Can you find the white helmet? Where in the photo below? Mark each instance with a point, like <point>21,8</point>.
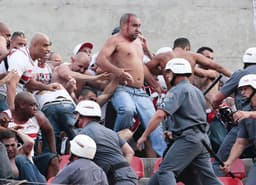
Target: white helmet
<point>248,80</point>
<point>179,66</point>
<point>88,108</point>
<point>250,56</point>
<point>83,146</point>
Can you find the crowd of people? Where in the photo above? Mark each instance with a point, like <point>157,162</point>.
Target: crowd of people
<point>96,106</point>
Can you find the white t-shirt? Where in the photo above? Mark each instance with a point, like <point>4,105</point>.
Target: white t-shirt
<point>19,60</point>
<point>31,127</point>
<point>49,96</point>
<point>40,74</point>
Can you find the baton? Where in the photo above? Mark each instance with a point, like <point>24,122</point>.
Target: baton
<point>212,84</point>
<point>216,157</point>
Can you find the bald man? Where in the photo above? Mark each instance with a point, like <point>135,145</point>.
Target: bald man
<point>27,119</point>
<point>22,60</point>
<point>73,76</point>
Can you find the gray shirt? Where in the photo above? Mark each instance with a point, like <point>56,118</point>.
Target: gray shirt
<point>108,145</point>
<point>81,171</point>
<point>247,130</point>
<point>109,151</point>
<point>186,105</point>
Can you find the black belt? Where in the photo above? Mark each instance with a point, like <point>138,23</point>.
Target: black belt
<point>58,102</point>
<point>118,166</point>
<point>200,127</point>
<point>112,169</point>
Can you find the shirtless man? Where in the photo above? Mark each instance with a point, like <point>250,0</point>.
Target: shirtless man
<point>205,76</point>
<point>72,76</point>
<point>122,55</point>
<point>20,155</point>
<point>181,49</point>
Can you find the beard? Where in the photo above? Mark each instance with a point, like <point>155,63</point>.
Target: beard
<point>133,37</point>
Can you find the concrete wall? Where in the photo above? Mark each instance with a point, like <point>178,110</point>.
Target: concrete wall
<point>224,25</point>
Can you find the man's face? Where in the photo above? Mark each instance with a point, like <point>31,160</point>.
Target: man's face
<point>30,106</point>
<point>80,65</point>
<point>208,54</point>
<point>246,91</point>
<point>43,48</point>
<point>89,96</point>
<point>168,74</point>
<point>133,27</point>
<point>6,33</point>
<point>11,145</point>
<point>18,42</point>
<point>87,50</point>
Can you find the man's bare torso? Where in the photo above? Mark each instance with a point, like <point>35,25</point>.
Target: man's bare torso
<point>129,55</point>
<point>177,54</point>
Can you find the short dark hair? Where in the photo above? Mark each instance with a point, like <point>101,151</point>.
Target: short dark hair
<point>125,17</point>
<point>181,42</point>
<point>202,49</point>
<point>17,34</point>
<point>86,90</point>
<point>7,134</point>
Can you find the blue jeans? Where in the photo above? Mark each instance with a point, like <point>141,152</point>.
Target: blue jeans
<point>3,103</point>
<point>61,118</point>
<point>28,171</point>
<point>5,165</point>
<point>129,102</point>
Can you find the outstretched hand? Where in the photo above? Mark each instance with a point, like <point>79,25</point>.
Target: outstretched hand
<point>102,76</point>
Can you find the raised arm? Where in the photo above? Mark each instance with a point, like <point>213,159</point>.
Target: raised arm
<point>202,60</point>
<point>65,73</point>
<point>205,72</point>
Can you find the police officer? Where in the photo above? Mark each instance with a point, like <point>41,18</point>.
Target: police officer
<point>230,87</point>
<point>247,127</point>
<point>185,104</point>
<point>81,169</point>
<point>113,154</point>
